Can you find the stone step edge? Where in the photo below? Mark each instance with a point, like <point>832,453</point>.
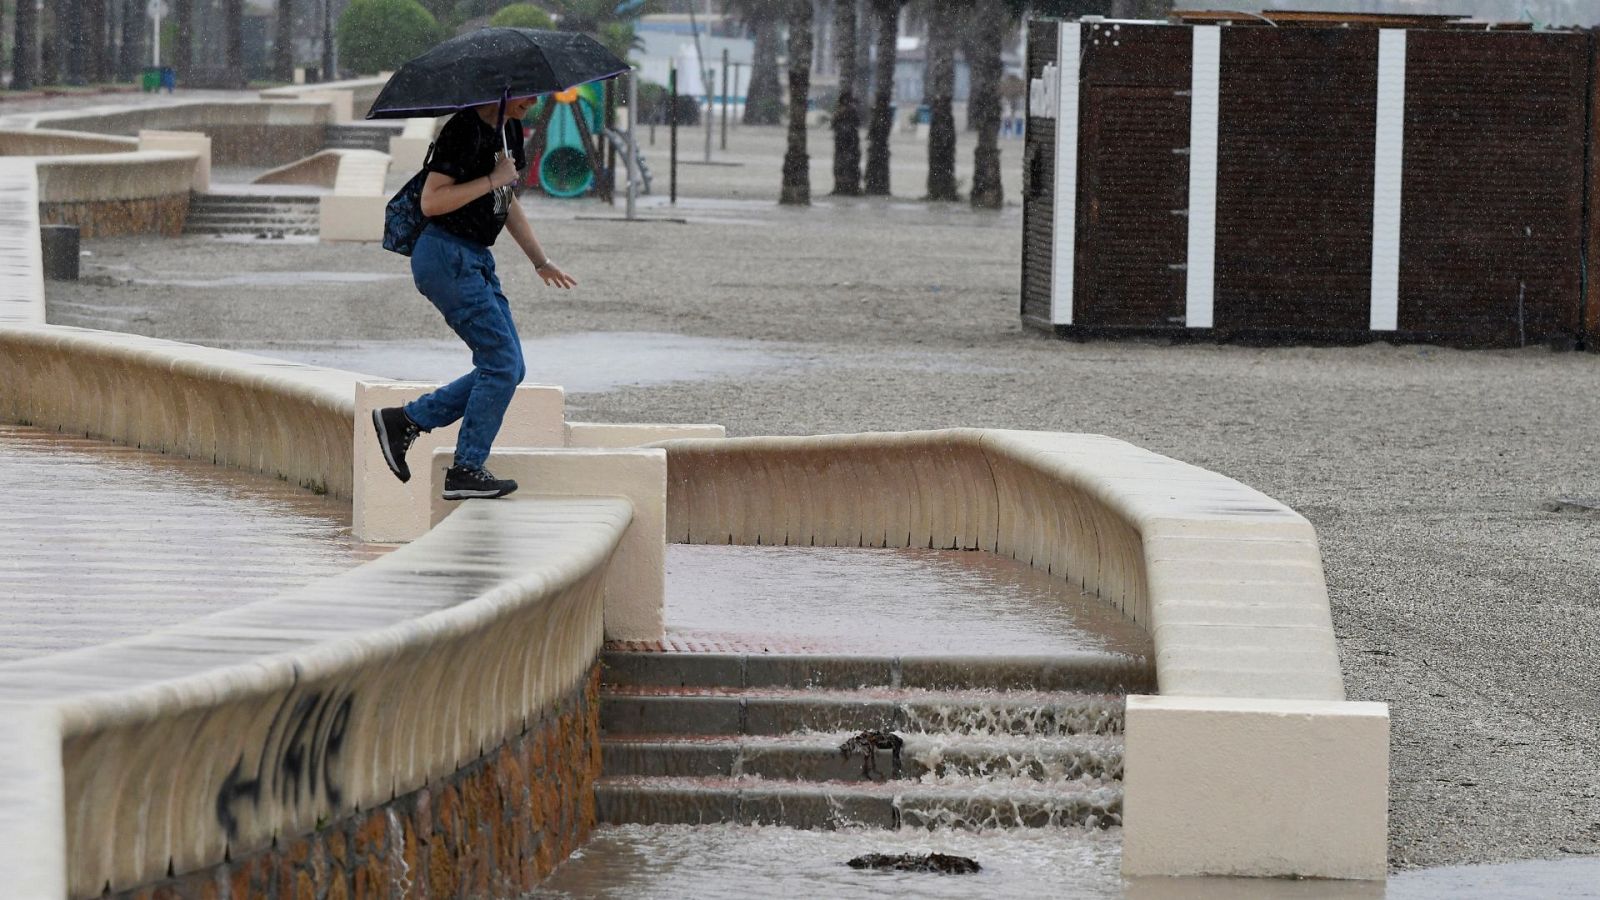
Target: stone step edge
<point>825,805</point>
<point>1087,672</point>
<point>809,758</point>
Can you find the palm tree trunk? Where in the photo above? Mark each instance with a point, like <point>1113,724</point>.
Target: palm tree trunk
<point>69,45</point>
<point>133,48</point>
<point>940,93</point>
<point>763,101</point>
<point>93,41</point>
<point>887,14</point>
<point>847,114</point>
<point>863,86</point>
<point>25,56</point>
<point>988,39</point>
<point>183,45</point>
<point>796,163</point>
<point>283,42</point>
<point>234,24</point>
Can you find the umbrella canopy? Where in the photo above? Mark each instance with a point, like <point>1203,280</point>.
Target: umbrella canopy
<point>490,65</point>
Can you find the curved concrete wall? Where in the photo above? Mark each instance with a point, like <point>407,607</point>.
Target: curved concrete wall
<point>54,142</point>
<point>1181,550</point>
<point>264,415</point>
<point>217,739</point>
<point>1251,730</point>
<point>252,133</point>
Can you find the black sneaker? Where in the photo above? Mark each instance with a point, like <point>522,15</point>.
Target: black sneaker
<point>467,482</point>
<point>396,432</point>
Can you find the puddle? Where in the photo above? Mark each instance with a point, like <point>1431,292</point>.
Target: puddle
<point>587,362</point>
<point>873,601</point>
<point>595,362</point>
<point>737,862</point>
<point>101,541</point>
<point>272,279</point>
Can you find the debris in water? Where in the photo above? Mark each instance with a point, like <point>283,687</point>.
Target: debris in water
<point>939,863</point>
<point>869,743</point>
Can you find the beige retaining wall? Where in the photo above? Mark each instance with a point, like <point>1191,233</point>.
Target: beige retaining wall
<point>229,737</point>
<point>109,194</point>
<point>244,133</point>
<point>264,415</point>
<point>57,142</point>
<point>1227,581</point>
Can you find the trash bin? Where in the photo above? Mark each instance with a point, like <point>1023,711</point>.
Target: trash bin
<point>150,81</point>
<point>169,79</point>
<point>58,245</point>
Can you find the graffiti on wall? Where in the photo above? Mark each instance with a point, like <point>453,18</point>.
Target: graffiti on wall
<point>298,759</point>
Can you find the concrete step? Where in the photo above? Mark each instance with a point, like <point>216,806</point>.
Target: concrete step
<point>254,201</point>
<point>255,230</point>
<point>632,710</point>
<point>817,757</point>
<point>231,219</point>
<point>1092,672</point>
<point>623,800</point>
<point>359,137</point>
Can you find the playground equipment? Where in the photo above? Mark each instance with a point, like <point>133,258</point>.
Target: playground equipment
<point>566,152</point>
<point>567,137</point>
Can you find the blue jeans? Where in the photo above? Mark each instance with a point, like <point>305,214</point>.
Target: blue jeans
<point>457,276</point>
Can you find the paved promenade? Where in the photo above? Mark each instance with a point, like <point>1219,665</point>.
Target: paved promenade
<point>101,542</point>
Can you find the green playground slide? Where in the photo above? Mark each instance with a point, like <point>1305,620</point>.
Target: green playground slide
<point>564,169</point>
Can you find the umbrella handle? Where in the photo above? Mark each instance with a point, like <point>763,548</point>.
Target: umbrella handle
<point>500,121</point>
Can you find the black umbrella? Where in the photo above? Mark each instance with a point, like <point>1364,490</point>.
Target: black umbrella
<point>493,65</point>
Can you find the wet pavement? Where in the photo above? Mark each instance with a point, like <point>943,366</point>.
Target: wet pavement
<point>581,362</point>
<point>100,542</point>
<point>875,602</point>
<point>738,862</point>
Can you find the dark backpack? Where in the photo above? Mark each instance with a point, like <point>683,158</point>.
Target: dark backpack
<point>403,220</point>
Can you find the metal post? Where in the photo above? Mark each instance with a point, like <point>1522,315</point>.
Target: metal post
<point>672,126</point>
<point>724,98</point>
<point>633,142</point>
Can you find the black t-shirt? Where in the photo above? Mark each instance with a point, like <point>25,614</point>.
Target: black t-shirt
<point>465,151</point>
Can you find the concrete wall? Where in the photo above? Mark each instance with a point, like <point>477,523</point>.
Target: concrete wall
<point>108,194</point>
<point>56,142</point>
<point>1227,581</point>
<point>22,287</point>
<point>229,737</point>
<point>263,415</point>
<point>247,133</point>
<point>352,97</point>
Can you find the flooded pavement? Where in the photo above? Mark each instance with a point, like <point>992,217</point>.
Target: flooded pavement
<point>100,541</point>
<point>874,601</point>
<point>588,362</point>
<point>730,861</point>
<point>735,862</point>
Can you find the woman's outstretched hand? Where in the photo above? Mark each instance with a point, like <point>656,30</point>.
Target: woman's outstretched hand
<point>553,276</point>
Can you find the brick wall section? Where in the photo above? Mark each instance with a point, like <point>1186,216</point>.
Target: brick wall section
<point>494,828</point>
<point>115,218</point>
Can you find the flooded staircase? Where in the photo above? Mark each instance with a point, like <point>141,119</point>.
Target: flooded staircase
<point>256,215</point>
<point>755,739</point>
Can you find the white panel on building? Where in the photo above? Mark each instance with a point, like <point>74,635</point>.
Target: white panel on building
<point>1205,87</point>
<point>1386,180</point>
<point>1063,263</point>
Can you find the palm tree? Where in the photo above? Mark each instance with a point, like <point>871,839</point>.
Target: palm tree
<point>25,58</point>
<point>233,28</point>
<point>944,22</point>
<point>796,164</point>
<point>990,23</point>
<point>847,113</point>
<point>283,42</point>
<point>887,16</point>
<point>763,103</point>
<point>183,46</point>
<point>611,22</point>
